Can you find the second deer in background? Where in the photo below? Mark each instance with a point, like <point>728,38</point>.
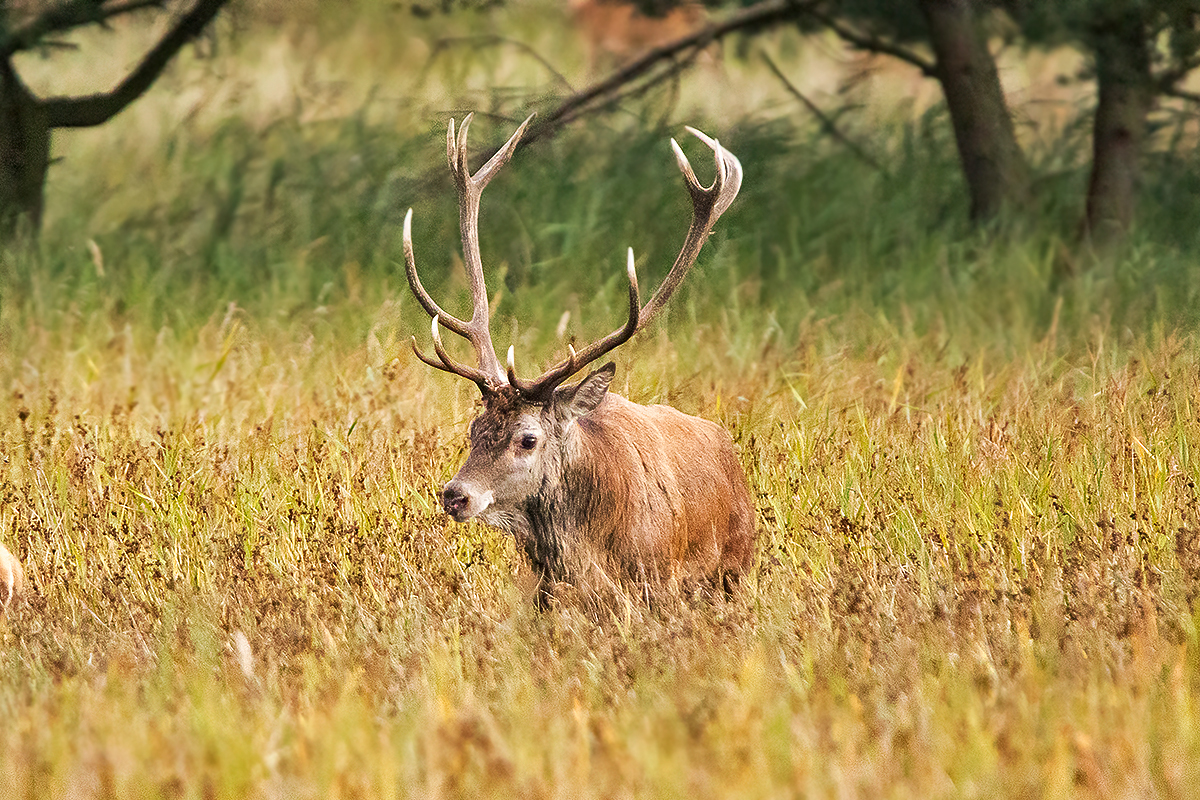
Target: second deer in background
<point>614,31</point>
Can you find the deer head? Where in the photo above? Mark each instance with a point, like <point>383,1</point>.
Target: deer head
<point>519,442</point>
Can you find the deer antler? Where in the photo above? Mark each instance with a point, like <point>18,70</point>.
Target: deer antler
<point>489,377</point>
<point>708,203</point>
<point>543,386</point>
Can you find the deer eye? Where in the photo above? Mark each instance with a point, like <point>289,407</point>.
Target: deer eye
<point>528,441</point>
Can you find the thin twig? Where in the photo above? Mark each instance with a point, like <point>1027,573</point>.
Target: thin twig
<point>873,43</point>
<point>672,71</point>
<point>827,123</point>
<point>96,109</point>
<point>57,44</point>
<point>493,41</point>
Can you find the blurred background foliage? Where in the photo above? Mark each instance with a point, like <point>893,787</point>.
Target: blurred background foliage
<point>271,165</point>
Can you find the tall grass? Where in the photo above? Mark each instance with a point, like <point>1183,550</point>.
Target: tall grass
<point>972,456</point>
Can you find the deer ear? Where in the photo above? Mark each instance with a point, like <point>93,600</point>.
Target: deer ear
<point>583,397</point>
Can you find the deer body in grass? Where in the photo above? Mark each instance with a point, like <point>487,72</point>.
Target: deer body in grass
<point>596,489</point>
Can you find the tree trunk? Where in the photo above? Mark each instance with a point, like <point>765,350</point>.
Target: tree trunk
<point>992,162</point>
<point>1125,97</point>
<point>24,155</point>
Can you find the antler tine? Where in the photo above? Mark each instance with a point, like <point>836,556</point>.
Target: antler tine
<point>478,376</point>
<point>470,187</point>
<point>544,385</point>
<point>447,364</point>
<point>729,170</point>
<point>458,147</point>
<point>501,156</point>
<point>551,379</point>
<point>414,282</point>
<point>708,204</point>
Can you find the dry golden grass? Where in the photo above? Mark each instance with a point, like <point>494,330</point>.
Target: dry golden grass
<point>973,580</point>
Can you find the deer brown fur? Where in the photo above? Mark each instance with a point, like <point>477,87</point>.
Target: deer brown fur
<point>657,491</point>
<point>609,489</point>
<point>595,489</point>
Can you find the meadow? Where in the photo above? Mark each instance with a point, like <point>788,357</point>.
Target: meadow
<point>974,454</point>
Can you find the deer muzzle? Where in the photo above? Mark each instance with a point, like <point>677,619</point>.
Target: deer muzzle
<point>462,500</point>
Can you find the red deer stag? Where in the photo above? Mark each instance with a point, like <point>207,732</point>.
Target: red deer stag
<point>595,489</point>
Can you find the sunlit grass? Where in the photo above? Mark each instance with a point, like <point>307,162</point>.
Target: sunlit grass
<point>971,574</point>
<point>972,455</point>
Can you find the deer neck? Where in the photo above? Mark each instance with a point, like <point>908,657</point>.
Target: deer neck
<point>555,526</point>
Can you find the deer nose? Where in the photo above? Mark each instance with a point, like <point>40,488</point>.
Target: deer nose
<point>454,500</point>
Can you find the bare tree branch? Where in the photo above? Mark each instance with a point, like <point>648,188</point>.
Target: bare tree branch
<point>492,41</point>
<point>66,16</point>
<point>96,109</point>
<point>652,68</point>
<point>1182,94</point>
<point>1168,79</point>
<point>827,124</point>
<point>602,94</point>
<point>671,72</point>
